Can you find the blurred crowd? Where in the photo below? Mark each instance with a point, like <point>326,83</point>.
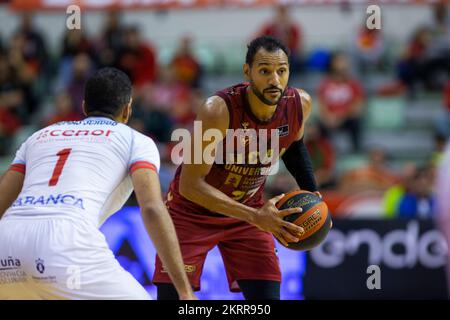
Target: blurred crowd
<point>40,87</point>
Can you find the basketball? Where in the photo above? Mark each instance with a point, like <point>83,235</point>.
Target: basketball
<point>314,219</point>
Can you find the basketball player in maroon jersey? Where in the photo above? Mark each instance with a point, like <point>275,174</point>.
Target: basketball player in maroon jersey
<point>222,204</point>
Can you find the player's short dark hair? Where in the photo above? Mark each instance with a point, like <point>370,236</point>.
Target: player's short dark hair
<point>107,91</point>
<point>269,43</point>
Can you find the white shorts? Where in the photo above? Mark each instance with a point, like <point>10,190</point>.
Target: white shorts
<point>58,258</point>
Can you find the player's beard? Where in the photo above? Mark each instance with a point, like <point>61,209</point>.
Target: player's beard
<point>263,99</point>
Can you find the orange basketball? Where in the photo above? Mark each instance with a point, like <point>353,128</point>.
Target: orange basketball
<point>314,219</point>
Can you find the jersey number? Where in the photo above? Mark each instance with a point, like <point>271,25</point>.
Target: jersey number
<point>62,158</point>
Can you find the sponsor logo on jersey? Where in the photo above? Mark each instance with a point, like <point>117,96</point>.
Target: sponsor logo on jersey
<point>283,130</point>
<point>88,122</point>
<point>50,200</point>
<point>9,263</point>
<point>187,267</point>
<point>40,265</point>
<point>11,271</point>
<point>74,133</point>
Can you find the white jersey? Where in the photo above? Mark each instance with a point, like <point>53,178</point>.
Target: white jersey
<point>80,169</point>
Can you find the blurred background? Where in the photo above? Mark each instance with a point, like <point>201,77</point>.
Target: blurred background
<point>381,116</point>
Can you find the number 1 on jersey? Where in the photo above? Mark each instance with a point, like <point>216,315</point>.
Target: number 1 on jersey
<point>63,155</point>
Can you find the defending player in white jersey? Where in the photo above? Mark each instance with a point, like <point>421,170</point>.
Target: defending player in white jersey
<point>64,182</point>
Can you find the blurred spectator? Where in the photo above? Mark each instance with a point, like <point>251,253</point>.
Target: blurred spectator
<point>443,122</point>
<point>368,50</point>
<point>137,58</point>
<point>425,64</point>
<point>285,29</point>
<point>111,39</point>
<point>440,142</point>
<point>75,43</point>
<point>322,155</point>
<point>418,201</point>
<point>34,50</point>
<point>412,65</point>
<point>151,113</point>
<point>11,100</point>
<point>318,60</point>
<point>165,105</point>
<point>21,78</point>
<point>393,195</point>
<point>440,27</point>
<point>81,70</point>
<point>376,175</point>
<point>9,124</point>
<point>63,110</point>
<point>340,101</point>
<point>186,66</point>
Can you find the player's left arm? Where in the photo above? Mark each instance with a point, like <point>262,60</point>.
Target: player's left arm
<point>296,158</point>
<point>10,186</point>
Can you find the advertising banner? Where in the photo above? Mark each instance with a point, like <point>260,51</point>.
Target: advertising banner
<point>378,259</point>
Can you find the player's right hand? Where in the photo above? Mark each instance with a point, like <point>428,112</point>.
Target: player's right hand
<point>269,218</point>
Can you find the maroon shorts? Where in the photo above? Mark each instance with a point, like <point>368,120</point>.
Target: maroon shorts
<point>247,252</point>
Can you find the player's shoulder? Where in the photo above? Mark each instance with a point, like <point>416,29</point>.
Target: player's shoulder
<point>306,101</point>
<point>143,148</point>
<point>234,90</point>
<point>139,139</point>
<point>304,95</point>
<point>214,107</point>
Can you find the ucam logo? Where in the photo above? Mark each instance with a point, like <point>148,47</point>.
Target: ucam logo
<point>429,249</point>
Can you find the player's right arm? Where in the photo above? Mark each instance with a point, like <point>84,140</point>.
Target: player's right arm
<point>10,186</point>
<point>214,115</point>
<point>161,229</point>
<point>11,182</point>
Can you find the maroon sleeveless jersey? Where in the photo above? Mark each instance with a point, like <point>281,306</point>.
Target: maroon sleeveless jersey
<point>245,182</point>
